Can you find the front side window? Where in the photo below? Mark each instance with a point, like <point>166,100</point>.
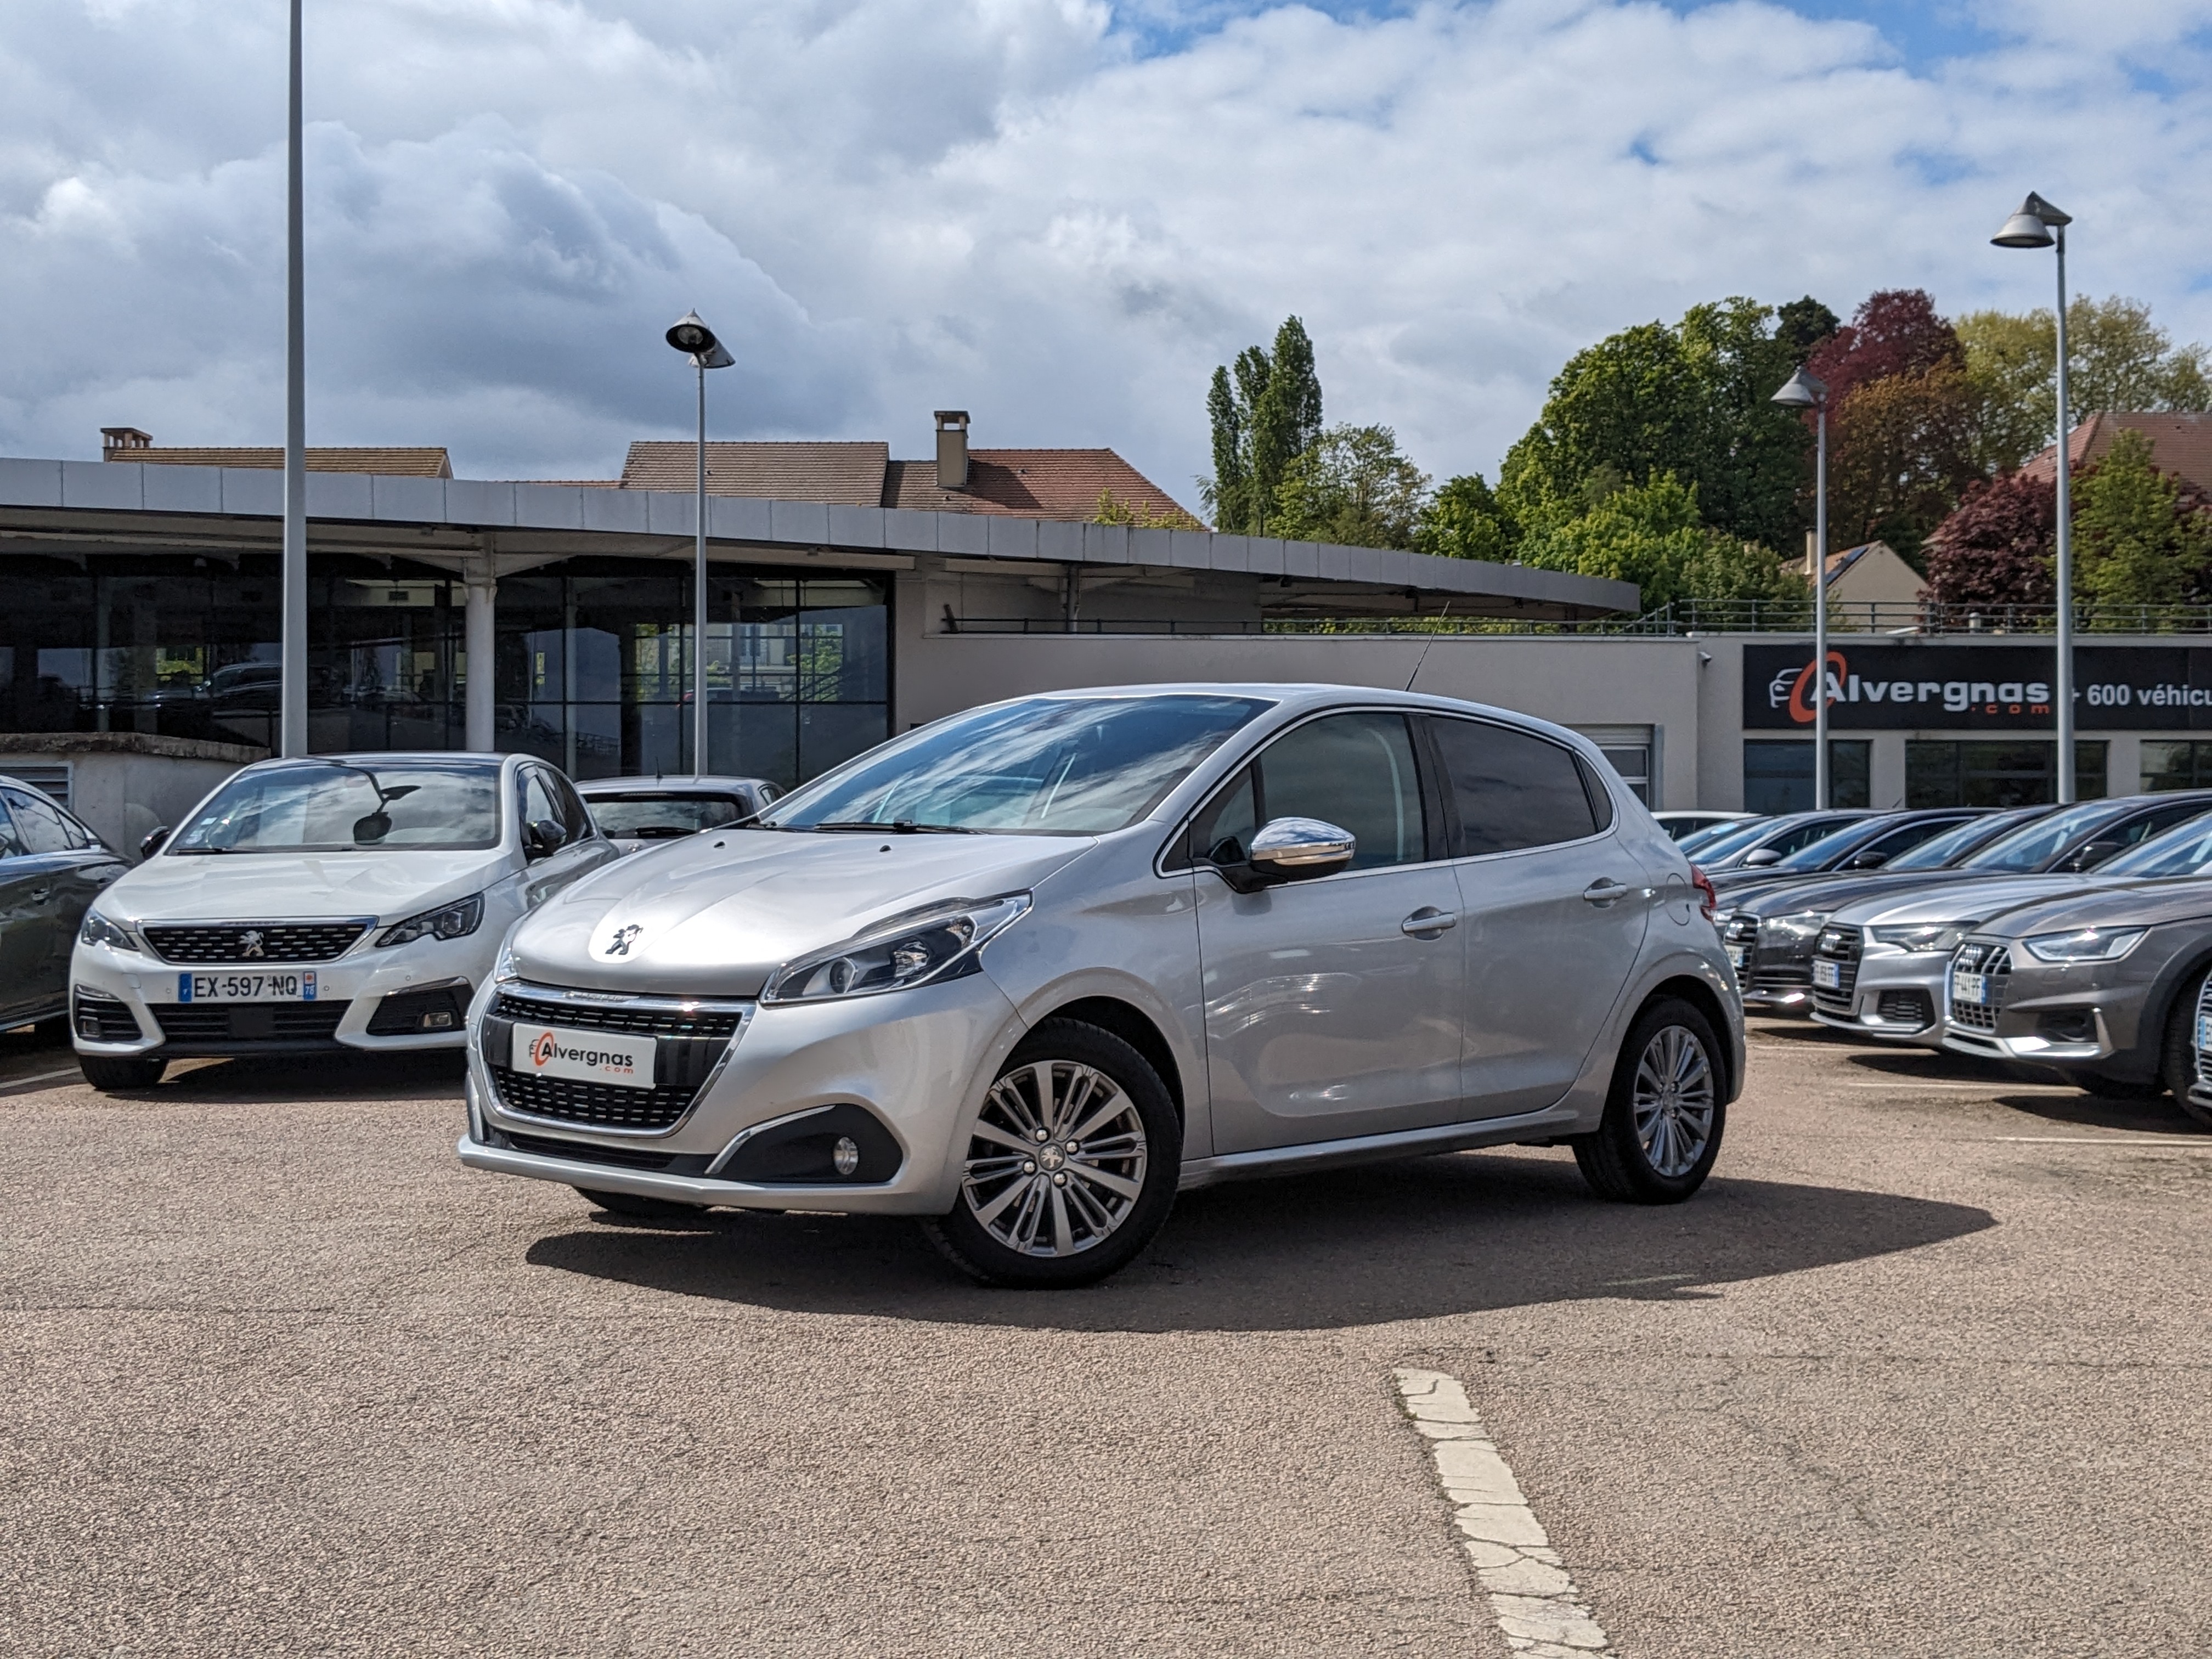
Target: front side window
<point>1353,770</point>
<point>41,825</point>
<point>340,806</point>
<point>1068,766</point>
<point>1510,789</point>
<point>2032,848</point>
<point>538,804</point>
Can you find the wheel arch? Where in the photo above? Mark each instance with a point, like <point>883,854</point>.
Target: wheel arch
<point>2166,996</point>
<point>1134,1027</point>
<point>1688,987</point>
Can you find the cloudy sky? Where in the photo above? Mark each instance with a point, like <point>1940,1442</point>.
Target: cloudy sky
<point>1057,214</point>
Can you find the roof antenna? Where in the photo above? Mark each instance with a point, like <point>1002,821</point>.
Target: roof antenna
<point>1421,661</point>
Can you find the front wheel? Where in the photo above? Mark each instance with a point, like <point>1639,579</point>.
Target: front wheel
<point>109,1073</point>
<point>1664,1115</point>
<point>1071,1166</point>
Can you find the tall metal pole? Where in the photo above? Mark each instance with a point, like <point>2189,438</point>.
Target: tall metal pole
<point>2065,675</point>
<point>699,598</point>
<point>1821,614</point>
<point>292,683</point>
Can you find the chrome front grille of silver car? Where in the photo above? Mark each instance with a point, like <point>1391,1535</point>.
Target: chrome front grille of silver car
<point>1993,961</point>
<point>694,1038</point>
<point>1841,946</point>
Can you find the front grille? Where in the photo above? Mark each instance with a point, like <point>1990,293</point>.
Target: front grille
<point>673,1019</point>
<point>603,1105</point>
<point>253,941</point>
<point>1994,962</point>
<point>1841,946</point>
<point>246,1022</point>
<point>101,1019</point>
<point>1738,928</point>
<point>1906,1008</point>
<point>1776,981</point>
<point>622,1158</point>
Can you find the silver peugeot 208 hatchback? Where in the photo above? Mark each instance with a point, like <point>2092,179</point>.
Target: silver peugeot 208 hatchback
<point>1027,971</point>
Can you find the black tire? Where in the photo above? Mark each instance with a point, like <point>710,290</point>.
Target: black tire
<point>645,1209</point>
<point>2177,1054</point>
<point>1097,1229</point>
<point>1615,1160</point>
<point>125,1073</point>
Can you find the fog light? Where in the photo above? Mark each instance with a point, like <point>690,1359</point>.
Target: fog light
<point>845,1155</point>
<point>440,1019</point>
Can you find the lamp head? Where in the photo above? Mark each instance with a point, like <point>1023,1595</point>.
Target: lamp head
<point>692,337</point>
<point>1803,390</point>
<point>2031,226</point>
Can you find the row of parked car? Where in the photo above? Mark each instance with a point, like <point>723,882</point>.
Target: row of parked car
<point>2077,938</point>
<point>1022,974</point>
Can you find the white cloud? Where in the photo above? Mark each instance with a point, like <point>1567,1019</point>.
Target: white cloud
<point>1055,213</point>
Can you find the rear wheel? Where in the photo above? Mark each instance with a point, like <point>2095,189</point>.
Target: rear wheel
<point>631,1204</point>
<point>1664,1115</point>
<point>109,1072</point>
<point>1071,1166</point>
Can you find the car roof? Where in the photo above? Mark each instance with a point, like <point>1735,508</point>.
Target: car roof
<point>666,785</point>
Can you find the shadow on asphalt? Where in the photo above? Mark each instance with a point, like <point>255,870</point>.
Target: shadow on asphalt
<point>1449,1235</point>
<point>292,1079</point>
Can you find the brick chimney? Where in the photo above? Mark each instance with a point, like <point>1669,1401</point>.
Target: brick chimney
<point>952,449</point>
<point>113,439</point>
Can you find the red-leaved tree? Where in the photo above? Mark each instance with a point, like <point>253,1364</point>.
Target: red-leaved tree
<point>1896,332</point>
<point>1996,548</point>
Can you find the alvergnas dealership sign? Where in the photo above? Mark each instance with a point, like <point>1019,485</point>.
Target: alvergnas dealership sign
<point>1992,687</point>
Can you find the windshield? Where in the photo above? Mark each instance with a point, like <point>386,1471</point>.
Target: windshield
<point>663,818</point>
<point>1819,854</point>
<point>1937,852</point>
<point>1045,766</point>
<point>2183,850</point>
<point>2035,845</point>
<point>333,806</point>
<point>1733,837</point>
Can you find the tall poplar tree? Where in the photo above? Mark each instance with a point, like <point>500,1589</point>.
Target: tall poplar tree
<point>1265,410</point>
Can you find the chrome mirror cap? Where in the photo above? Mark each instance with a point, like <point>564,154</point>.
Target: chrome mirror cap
<point>1301,846</point>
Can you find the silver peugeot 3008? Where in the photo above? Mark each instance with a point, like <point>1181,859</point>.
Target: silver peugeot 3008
<point>1027,971</point>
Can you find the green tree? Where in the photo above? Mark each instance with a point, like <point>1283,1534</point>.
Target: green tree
<point>1693,399</point>
<point>2120,359</point>
<point>1463,521</point>
<point>2139,538</point>
<point>1265,412</point>
<point>1352,486</point>
<point>1652,534</point>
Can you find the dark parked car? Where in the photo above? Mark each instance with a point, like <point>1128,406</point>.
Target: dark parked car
<point>51,866</point>
<point>1769,841</point>
<point>1870,843</point>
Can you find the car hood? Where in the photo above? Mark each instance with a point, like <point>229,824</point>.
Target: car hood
<point>1991,895</point>
<point>715,915</point>
<point>254,887</point>
<point>2139,904</point>
<point>1823,893</point>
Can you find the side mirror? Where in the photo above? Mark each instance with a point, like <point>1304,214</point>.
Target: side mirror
<point>541,838</point>
<point>1287,849</point>
<point>1761,858</point>
<point>2093,855</point>
<point>1867,861</point>
<point>155,841</point>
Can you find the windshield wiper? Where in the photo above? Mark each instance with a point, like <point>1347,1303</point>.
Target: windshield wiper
<point>200,852</point>
<point>897,826</point>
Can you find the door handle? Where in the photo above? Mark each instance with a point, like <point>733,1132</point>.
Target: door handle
<point>1604,890</point>
<point>1427,923</point>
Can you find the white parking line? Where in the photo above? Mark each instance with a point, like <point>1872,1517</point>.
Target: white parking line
<point>18,1085</point>
<point>2202,1144</point>
<point>1531,1597</point>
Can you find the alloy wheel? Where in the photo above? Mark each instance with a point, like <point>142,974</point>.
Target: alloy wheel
<point>1056,1160</point>
<point>1674,1101</point>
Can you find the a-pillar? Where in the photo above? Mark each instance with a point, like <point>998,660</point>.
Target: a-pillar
<point>480,637</point>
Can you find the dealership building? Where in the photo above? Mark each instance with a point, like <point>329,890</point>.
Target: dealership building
<point>852,595</point>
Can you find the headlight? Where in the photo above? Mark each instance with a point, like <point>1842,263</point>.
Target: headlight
<point>504,968</point>
<point>99,930</point>
<point>1924,936</point>
<point>1804,925</point>
<point>939,942</point>
<point>455,920</point>
<point>2089,944</point>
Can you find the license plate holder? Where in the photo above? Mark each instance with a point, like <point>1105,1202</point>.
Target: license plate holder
<point>609,1057</point>
<point>1971,987</point>
<point>260,985</point>
<point>1828,976</point>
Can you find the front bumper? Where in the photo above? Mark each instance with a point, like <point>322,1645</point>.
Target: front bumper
<point>915,1061</point>
<point>2055,1015</point>
<point>1894,996</point>
<point>355,984</point>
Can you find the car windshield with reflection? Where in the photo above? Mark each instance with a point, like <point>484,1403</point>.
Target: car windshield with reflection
<point>333,806</point>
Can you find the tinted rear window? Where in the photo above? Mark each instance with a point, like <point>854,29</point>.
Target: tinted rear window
<point>1510,789</point>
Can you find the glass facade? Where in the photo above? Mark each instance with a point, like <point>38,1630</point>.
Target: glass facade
<point>1777,774</point>
<point>593,669</point>
<point>2176,764</point>
<point>1983,773</point>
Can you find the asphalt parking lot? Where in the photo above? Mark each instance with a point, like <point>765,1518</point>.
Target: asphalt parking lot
<point>1922,1371</point>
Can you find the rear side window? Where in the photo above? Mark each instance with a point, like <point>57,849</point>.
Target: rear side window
<point>1511,789</point>
<point>1353,770</point>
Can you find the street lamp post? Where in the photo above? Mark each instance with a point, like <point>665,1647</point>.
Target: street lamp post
<point>2039,224</point>
<point>1803,391</point>
<point>696,341</point>
<point>292,625</point>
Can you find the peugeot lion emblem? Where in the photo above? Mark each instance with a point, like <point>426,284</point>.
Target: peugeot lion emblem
<point>619,945</point>
<point>249,943</point>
